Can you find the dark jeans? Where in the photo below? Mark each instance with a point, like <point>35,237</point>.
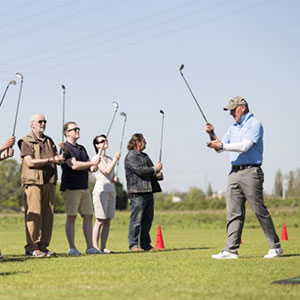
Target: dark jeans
<point>141,217</point>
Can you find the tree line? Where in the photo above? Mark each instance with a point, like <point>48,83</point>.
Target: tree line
<point>12,195</point>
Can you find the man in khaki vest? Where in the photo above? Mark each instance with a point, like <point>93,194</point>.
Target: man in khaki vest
<point>38,175</point>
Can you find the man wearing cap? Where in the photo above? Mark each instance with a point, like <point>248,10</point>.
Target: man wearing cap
<point>244,141</point>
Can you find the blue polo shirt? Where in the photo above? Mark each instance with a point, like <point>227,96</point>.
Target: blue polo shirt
<point>71,179</point>
<point>250,129</point>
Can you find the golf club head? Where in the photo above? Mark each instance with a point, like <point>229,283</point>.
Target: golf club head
<point>181,67</point>
<point>116,105</point>
<point>13,82</point>
<point>19,75</point>
<point>161,111</point>
<point>63,87</point>
<point>123,115</point>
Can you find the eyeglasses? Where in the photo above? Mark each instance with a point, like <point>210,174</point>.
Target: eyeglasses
<point>41,121</point>
<point>101,142</point>
<point>74,129</point>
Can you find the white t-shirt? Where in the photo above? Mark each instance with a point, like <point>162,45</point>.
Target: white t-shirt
<point>104,183</point>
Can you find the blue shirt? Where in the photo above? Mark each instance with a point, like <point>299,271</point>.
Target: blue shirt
<point>72,179</point>
<point>249,129</point>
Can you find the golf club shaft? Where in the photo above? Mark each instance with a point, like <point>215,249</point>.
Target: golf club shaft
<point>63,115</point>
<point>4,95</point>
<point>194,97</point>
<point>18,105</point>
<point>121,144</point>
<point>112,121</point>
<point>161,136</point>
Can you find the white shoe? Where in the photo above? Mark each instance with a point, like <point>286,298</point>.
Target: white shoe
<point>93,250</point>
<point>73,252</point>
<point>274,253</point>
<point>225,255</point>
<point>106,251</point>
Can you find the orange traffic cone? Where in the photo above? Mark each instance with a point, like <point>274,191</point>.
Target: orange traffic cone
<point>284,235</point>
<point>159,244</point>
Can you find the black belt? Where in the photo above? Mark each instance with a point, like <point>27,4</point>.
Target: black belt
<point>243,167</point>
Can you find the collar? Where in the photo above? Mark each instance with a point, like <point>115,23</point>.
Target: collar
<point>244,119</point>
<point>72,145</point>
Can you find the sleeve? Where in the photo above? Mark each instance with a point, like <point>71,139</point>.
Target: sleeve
<point>243,146</point>
<point>254,132</point>
<point>25,150</point>
<point>142,170</point>
<point>226,137</point>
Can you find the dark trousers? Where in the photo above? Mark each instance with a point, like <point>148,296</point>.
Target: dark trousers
<point>141,217</point>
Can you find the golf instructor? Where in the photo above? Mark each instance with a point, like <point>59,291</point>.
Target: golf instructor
<point>244,141</point>
<point>39,176</point>
<point>141,177</point>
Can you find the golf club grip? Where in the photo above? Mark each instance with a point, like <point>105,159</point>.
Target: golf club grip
<point>212,135</point>
<point>64,150</point>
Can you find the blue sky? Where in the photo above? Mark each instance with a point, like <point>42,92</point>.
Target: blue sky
<point>129,51</point>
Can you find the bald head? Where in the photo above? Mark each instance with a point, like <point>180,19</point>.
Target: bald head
<point>36,117</point>
<point>38,123</point>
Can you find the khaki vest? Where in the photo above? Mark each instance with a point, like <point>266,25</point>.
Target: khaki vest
<point>31,175</point>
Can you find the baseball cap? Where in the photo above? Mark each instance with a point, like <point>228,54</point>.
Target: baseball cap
<point>235,102</point>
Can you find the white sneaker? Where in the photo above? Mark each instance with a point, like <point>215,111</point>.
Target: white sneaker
<point>106,251</point>
<point>73,252</point>
<point>93,250</point>
<point>225,255</point>
<point>274,253</point>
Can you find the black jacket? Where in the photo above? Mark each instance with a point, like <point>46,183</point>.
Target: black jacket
<point>140,173</point>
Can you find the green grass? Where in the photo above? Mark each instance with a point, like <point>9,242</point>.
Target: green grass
<point>183,271</point>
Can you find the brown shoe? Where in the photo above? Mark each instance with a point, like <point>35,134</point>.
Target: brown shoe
<point>136,249</point>
<point>152,249</point>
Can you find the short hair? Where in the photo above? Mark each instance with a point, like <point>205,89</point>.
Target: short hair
<point>95,140</point>
<point>137,137</point>
<point>66,126</point>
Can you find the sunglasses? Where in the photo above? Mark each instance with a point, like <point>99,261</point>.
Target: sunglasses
<point>74,129</point>
<point>101,142</point>
<point>41,121</point>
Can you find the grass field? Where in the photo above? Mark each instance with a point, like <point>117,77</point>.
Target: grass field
<point>183,271</point>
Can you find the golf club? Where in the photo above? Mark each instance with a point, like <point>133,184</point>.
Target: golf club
<point>212,133</point>
<point>11,82</point>
<point>180,70</point>
<point>62,143</point>
<point>63,114</point>
<point>19,75</point>
<point>122,137</point>
<point>162,132</point>
<point>116,105</point>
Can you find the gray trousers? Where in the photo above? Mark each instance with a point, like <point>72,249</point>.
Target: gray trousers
<point>247,185</point>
